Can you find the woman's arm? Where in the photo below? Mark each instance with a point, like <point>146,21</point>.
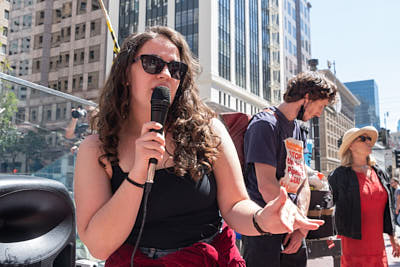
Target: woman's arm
<point>278,216</point>
<point>105,220</point>
<point>332,180</point>
<point>70,130</point>
<point>395,245</point>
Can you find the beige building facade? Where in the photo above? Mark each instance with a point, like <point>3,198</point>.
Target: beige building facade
<point>60,44</point>
<point>4,19</point>
<point>333,123</point>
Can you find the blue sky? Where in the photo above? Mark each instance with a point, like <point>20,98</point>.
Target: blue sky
<point>363,38</point>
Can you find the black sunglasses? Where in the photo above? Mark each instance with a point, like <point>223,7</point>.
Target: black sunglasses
<point>153,64</point>
<point>365,138</point>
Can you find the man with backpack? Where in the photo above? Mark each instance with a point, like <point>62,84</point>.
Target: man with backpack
<point>273,155</point>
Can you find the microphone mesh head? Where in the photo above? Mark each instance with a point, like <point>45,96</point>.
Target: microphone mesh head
<point>161,93</point>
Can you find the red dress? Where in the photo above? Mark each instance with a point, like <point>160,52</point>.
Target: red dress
<point>370,250</point>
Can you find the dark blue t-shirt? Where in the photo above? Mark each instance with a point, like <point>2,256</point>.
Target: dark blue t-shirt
<point>264,143</point>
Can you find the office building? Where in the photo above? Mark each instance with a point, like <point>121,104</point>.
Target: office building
<point>333,123</point>
<point>4,18</point>
<point>368,112</point>
<point>296,41</point>
<point>236,42</point>
<point>59,44</point>
<point>398,125</point>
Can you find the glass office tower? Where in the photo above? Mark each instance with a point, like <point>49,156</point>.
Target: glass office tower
<point>368,112</point>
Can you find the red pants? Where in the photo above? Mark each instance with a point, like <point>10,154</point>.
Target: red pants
<point>221,252</point>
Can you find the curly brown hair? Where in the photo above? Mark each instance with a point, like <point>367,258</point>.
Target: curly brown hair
<point>188,118</point>
<point>312,82</point>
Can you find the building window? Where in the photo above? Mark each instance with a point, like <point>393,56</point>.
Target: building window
<point>254,53</point>
<point>65,34</point>
<point>77,82</point>
<point>156,12</point>
<point>94,53</point>
<point>63,60</point>
<point>95,5</point>
<point>13,69</point>
<point>3,49</point>
<point>224,45</point>
<point>79,56</point>
<point>26,21</point>
<point>57,16</point>
<point>33,115</point>
<point>56,39</point>
<point>93,80</point>
<point>81,7</point>
<point>16,4</point>
<point>80,30</point>
<point>63,84</point>
<point>66,10</point>
<point>15,24</point>
<point>187,22</point>
<point>265,53</point>
<point>36,65</point>
<point>53,85</point>
<point>128,18</point>
<point>39,17</point>
<point>6,14</point>
<point>47,113</point>
<point>5,31</point>
<point>38,41</point>
<point>240,42</point>
<point>60,114</point>
<point>95,27</point>
<point>26,44</point>
<point>13,49</point>
<point>53,63</point>
<point>20,116</point>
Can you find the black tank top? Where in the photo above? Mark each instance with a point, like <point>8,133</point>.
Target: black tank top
<point>180,211</point>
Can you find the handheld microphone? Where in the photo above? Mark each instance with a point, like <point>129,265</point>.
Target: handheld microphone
<point>160,101</point>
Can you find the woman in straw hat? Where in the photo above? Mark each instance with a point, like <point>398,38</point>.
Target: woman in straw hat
<point>361,192</point>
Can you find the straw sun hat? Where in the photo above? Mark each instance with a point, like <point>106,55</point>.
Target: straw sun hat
<point>353,133</point>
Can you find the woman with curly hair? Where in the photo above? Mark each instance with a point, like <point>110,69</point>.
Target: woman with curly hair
<point>197,179</point>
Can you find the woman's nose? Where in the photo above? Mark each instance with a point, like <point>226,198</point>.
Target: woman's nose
<point>165,72</point>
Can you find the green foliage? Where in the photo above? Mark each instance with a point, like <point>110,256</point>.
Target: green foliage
<point>8,131</point>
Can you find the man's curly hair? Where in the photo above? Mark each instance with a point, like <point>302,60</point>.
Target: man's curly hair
<point>313,83</point>
<point>188,118</point>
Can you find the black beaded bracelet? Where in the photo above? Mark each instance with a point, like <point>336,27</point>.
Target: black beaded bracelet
<point>258,228</point>
<point>134,183</point>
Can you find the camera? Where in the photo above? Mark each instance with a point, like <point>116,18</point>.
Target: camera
<point>78,113</point>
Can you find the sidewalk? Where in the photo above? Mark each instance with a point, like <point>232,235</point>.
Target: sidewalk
<point>328,261</point>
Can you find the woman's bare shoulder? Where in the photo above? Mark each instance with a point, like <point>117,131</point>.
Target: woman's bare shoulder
<point>90,152</point>
<point>91,142</point>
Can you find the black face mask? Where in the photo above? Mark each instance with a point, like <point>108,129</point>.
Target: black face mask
<point>301,113</point>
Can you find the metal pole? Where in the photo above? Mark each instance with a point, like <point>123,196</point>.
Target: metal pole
<point>110,28</point>
<point>44,89</point>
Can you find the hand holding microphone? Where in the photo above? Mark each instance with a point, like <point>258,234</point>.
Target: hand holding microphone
<point>150,146</point>
<point>160,101</point>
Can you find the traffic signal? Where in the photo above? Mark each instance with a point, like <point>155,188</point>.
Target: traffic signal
<point>382,137</point>
<point>397,158</point>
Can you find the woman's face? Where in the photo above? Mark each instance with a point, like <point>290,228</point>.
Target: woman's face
<point>142,83</point>
<point>361,146</point>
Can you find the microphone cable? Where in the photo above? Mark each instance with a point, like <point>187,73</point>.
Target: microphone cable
<point>147,189</point>
<point>160,101</point>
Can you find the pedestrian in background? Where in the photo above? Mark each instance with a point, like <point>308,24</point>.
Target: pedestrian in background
<point>363,199</point>
<point>273,149</point>
<point>394,183</point>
